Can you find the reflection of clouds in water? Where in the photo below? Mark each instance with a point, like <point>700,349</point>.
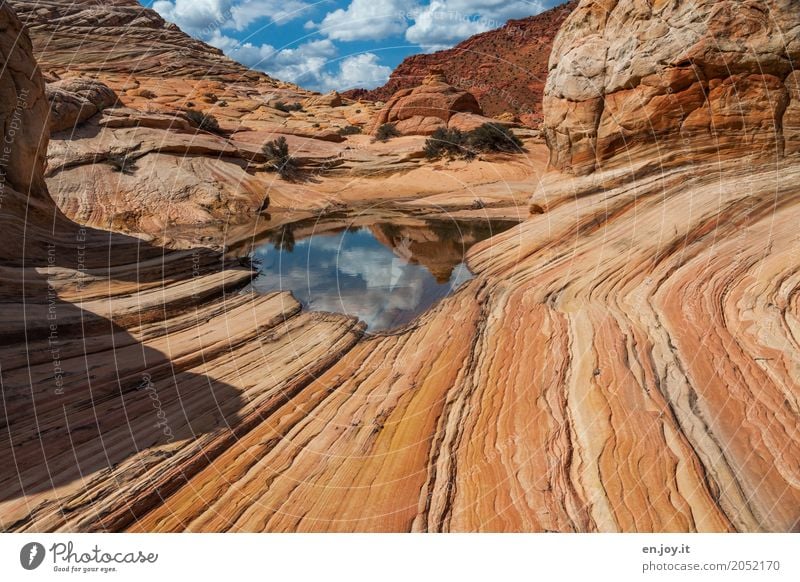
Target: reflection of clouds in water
<point>392,285</point>
<point>460,275</point>
<point>375,306</point>
<point>354,273</point>
<point>373,265</point>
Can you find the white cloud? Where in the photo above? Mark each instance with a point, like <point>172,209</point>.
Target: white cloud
<point>433,26</point>
<point>304,65</point>
<point>368,20</point>
<point>194,16</point>
<point>204,18</point>
<point>444,22</point>
<point>308,64</point>
<point>279,11</point>
<point>362,70</point>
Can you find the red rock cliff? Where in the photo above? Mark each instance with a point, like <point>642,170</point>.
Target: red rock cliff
<point>504,68</point>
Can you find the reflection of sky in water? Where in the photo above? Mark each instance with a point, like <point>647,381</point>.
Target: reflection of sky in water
<point>352,272</point>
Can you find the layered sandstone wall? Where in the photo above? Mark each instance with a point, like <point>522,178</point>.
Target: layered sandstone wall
<point>126,38</point>
<point>675,81</point>
<point>624,360</point>
<point>23,110</point>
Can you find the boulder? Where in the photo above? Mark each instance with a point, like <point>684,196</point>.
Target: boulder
<point>73,101</point>
<point>424,109</point>
<point>419,125</point>
<point>332,99</point>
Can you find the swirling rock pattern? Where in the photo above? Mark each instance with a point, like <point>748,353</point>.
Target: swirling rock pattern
<point>624,360</point>
<point>125,38</point>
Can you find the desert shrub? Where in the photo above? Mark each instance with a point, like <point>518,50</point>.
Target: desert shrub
<point>279,158</point>
<point>122,163</point>
<point>204,121</point>
<point>449,142</point>
<point>287,107</point>
<point>493,137</point>
<point>349,130</point>
<point>489,137</point>
<point>386,132</point>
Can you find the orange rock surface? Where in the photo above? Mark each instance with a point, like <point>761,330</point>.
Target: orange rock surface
<point>624,360</point>
<point>672,82</point>
<point>426,108</point>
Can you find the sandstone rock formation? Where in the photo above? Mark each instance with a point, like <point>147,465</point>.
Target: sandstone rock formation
<point>119,123</point>
<point>126,38</point>
<point>73,101</point>
<point>424,109</point>
<point>627,351</point>
<point>672,81</point>
<point>624,360</point>
<point>505,69</point>
<point>73,295</point>
<point>24,111</point>
<point>332,99</point>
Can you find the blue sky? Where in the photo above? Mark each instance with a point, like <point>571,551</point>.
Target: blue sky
<point>337,44</point>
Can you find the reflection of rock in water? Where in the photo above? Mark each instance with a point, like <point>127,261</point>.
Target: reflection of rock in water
<point>283,238</point>
<point>387,275</point>
<point>439,245</point>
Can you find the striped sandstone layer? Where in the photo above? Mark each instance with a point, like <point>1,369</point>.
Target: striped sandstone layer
<point>624,360</point>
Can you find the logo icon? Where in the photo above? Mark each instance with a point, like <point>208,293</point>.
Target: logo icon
<point>31,555</point>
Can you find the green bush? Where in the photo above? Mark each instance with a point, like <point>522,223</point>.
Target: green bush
<point>349,130</point>
<point>204,121</point>
<point>493,137</point>
<point>489,137</point>
<point>449,142</point>
<point>386,132</point>
<point>279,158</point>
